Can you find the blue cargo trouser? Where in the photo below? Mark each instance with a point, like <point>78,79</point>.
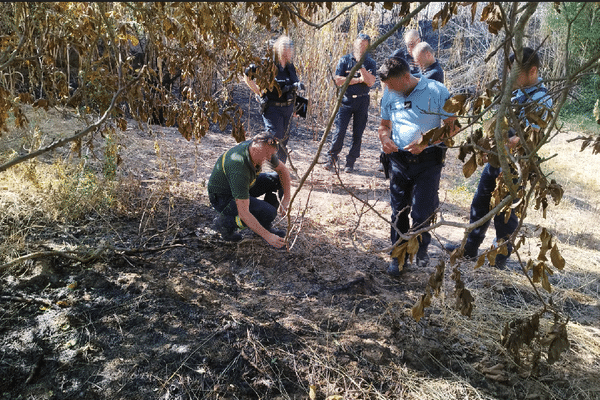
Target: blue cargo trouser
<point>414,185</point>
<point>278,121</point>
<point>480,206</point>
<point>359,108</point>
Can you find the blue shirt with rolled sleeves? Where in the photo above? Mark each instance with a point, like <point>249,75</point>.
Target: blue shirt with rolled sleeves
<point>417,113</point>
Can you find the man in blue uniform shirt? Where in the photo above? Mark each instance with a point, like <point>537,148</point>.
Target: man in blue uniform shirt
<point>354,104</point>
<point>413,107</point>
<point>411,40</point>
<point>529,94</point>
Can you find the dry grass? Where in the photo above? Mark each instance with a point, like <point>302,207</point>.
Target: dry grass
<point>331,243</point>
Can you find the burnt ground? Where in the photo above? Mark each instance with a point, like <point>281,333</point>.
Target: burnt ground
<point>166,310</point>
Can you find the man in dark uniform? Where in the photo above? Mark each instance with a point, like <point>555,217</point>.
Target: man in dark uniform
<point>355,103</point>
<point>531,94</point>
<point>277,109</point>
<point>413,107</point>
<point>425,59</point>
<point>411,39</point>
<point>235,183</point>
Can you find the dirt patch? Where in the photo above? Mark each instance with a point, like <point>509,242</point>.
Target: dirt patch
<point>188,316</point>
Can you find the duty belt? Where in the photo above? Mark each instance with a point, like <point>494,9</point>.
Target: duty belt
<point>284,104</point>
<point>355,96</point>
<point>436,154</point>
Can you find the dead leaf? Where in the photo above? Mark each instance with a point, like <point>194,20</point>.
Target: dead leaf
<point>480,261</point>
<point>492,15</point>
<point>312,393</point>
<point>41,103</point>
<point>122,124</point>
<point>436,279</point>
<point>464,301</point>
<point>557,341</point>
<point>545,282</point>
<point>399,252</point>
<point>418,310</point>
<point>557,260</point>
<point>412,246</point>
<point>537,120</point>
<point>455,104</point>
<point>538,270</point>
<point>470,166</point>
<point>64,303</point>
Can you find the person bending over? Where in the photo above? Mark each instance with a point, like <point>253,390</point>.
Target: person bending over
<point>236,182</point>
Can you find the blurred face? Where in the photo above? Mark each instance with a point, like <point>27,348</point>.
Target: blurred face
<point>287,54</point>
<point>265,152</point>
<point>411,41</point>
<point>360,46</point>
<point>421,59</point>
<point>526,78</point>
<point>398,84</point>
<point>261,152</point>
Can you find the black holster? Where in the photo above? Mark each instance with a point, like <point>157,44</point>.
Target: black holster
<point>385,161</point>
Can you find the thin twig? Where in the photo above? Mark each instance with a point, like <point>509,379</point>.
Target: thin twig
<point>318,25</point>
<point>84,257</point>
<point>78,135</point>
<point>22,299</point>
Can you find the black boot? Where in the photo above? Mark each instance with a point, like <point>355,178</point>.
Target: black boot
<point>331,165</point>
<point>226,226</point>
<point>501,259</point>
<point>422,256</point>
<point>470,251</point>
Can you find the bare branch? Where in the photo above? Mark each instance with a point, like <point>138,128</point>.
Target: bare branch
<point>13,55</point>
<point>317,25</point>
<point>83,256</point>
<point>79,134</point>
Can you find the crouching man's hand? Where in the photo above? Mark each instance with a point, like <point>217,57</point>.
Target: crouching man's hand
<point>275,241</point>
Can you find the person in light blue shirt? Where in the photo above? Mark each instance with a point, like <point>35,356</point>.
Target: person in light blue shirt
<point>413,107</point>
<point>412,40</point>
<point>529,96</point>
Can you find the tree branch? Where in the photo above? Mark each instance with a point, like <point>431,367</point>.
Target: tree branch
<point>13,55</point>
<point>84,256</point>
<point>84,132</point>
<point>322,24</point>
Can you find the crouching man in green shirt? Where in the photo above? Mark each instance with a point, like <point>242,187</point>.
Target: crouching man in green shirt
<point>236,182</point>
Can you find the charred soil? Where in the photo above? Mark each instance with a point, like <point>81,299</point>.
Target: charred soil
<point>167,310</point>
